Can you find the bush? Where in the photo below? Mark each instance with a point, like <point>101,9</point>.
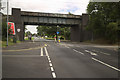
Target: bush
<point>111,32</point>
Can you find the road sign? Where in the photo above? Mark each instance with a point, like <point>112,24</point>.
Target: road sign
<point>18,30</point>
<point>11,26</point>
<point>58,32</point>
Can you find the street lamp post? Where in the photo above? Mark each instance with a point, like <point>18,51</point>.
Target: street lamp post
<point>90,14</point>
<point>7,21</point>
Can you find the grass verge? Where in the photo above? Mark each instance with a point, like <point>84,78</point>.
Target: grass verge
<point>28,39</point>
<point>4,43</point>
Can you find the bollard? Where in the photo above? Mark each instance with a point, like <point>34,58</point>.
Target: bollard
<point>59,40</point>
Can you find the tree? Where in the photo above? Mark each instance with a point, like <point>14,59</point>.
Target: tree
<point>0,5</point>
<point>107,15</point>
<point>45,30</point>
<point>112,29</point>
<point>4,29</point>
<point>51,31</point>
<point>28,33</point>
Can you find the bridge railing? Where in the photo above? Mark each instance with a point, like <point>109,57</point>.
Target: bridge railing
<point>49,14</point>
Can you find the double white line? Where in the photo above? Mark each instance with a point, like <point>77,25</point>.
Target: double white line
<point>45,52</point>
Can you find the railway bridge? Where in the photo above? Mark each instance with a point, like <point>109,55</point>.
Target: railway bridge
<point>76,22</point>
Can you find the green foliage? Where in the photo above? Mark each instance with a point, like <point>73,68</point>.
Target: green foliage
<point>104,20</point>
<point>28,33</point>
<point>112,32</point>
<point>51,31</point>
<point>48,31</point>
<point>66,32</point>
<point>4,30</point>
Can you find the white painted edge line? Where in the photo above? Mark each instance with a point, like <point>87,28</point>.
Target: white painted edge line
<point>78,52</point>
<point>41,51</point>
<point>54,75</point>
<point>105,64</point>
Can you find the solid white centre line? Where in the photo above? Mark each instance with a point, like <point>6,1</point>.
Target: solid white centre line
<point>41,51</point>
<point>92,53</point>
<point>105,64</point>
<point>78,52</point>
<point>54,75</point>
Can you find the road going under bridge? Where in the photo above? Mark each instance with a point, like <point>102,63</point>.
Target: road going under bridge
<point>76,22</point>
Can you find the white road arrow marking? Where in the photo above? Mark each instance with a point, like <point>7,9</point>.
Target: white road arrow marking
<point>92,53</point>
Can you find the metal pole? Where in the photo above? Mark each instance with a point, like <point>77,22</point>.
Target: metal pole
<point>7,21</point>
<point>56,34</point>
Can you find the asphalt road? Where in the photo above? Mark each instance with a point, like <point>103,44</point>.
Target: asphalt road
<point>48,59</point>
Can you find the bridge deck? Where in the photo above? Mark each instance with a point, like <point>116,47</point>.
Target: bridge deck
<point>24,13</point>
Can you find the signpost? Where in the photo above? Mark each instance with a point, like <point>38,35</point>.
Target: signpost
<point>11,30</point>
<point>18,30</point>
<point>58,32</point>
<point>7,20</point>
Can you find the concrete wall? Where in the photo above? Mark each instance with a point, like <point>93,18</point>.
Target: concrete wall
<point>86,34</point>
<point>75,33</point>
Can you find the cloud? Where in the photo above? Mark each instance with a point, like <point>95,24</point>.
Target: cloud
<point>50,6</point>
<point>31,28</point>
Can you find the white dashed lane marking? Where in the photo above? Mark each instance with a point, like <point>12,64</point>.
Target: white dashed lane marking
<point>53,74</point>
<point>52,69</point>
<point>92,53</point>
<point>67,47</point>
<point>50,63</point>
<point>78,51</point>
<point>101,52</point>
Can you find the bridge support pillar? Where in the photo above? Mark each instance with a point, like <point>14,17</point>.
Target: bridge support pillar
<point>75,33</point>
<point>16,14</point>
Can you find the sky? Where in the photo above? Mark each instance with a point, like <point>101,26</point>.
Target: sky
<point>76,7</point>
